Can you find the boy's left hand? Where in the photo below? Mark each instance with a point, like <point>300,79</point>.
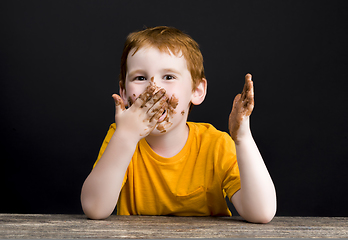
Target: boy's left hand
<point>243,105</point>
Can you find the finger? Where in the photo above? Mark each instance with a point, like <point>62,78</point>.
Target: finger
<point>235,101</point>
<point>145,96</point>
<point>248,77</point>
<point>152,103</point>
<point>250,92</point>
<point>249,89</point>
<point>158,107</point>
<point>246,87</point>
<point>248,82</point>
<point>249,98</point>
<point>119,104</point>
<point>158,113</point>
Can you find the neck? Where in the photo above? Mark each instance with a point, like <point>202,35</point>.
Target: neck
<point>171,143</point>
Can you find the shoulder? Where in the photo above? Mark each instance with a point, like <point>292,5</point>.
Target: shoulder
<point>205,129</point>
<point>110,132</point>
<point>112,127</point>
<point>213,145</point>
<point>207,133</point>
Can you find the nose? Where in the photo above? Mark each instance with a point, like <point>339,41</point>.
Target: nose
<point>157,84</point>
<point>153,79</point>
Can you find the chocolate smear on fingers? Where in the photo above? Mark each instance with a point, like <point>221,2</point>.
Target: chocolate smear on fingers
<point>165,124</point>
<point>146,95</point>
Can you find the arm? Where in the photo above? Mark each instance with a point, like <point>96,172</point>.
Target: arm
<point>102,187</point>
<point>256,200</point>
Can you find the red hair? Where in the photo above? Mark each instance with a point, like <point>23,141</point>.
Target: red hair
<point>169,40</point>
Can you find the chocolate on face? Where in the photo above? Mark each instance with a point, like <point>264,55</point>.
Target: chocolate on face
<point>169,104</point>
<point>172,103</point>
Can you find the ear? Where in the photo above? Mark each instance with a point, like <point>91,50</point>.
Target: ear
<point>123,95</point>
<point>199,92</point>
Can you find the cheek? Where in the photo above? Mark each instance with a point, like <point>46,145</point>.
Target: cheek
<point>172,104</point>
<point>179,104</point>
<point>131,99</point>
<point>132,93</point>
<point>184,100</point>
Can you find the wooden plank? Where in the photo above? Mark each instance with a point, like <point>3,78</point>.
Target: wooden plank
<point>78,226</point>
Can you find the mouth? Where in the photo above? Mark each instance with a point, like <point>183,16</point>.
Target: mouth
<point>163,117</point>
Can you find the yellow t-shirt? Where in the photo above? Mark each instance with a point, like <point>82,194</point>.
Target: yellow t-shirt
<point>194,182</point>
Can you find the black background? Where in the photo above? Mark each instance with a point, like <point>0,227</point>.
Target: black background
<point>60,65</point>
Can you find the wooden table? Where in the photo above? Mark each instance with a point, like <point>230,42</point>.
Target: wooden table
<point>78,226</point>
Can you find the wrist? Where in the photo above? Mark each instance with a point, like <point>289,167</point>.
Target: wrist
<point>244,132</point>
<point>126,136</point>
<point>243,138</point>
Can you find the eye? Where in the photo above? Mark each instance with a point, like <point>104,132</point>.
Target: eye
<point>169,77</point>
<point>140,78</point>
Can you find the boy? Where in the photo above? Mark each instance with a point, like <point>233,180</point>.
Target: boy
<point>155,162</point>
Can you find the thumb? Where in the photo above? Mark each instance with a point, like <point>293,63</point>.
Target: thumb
<point>119,104</point>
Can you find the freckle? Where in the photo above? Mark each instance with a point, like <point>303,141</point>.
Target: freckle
<point>182,112</point>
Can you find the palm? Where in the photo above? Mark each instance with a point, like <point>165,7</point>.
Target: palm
<point>243,105</point>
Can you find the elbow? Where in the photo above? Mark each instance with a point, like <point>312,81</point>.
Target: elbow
<point>97,216</point>
<point>259,218</point>
<point>93,210</point>
<point>265,218</point>
<point>264,212</point>
<point>262,217</point>
<point>95,213</point>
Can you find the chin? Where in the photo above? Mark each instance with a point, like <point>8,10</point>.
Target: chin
<point>157,132</point>
<point>161,128</point>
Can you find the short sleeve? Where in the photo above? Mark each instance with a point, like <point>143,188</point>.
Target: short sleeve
<point>106,141</point>
<point>231,179</point>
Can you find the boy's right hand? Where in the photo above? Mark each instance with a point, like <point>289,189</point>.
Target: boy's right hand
<point>141,117</point>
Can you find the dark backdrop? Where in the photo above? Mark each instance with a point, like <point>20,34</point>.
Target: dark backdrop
<point>60,64</point>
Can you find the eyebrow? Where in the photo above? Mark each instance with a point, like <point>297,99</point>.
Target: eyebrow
<point>172,70</point>
<point>140,71</point>
<point>135,72</point>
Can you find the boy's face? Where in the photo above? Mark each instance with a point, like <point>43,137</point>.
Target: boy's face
<point>166,71</point>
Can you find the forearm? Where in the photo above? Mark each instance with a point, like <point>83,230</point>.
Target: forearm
<point>102,187</point>
<point>257,197</point>
<point>256,200</point>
